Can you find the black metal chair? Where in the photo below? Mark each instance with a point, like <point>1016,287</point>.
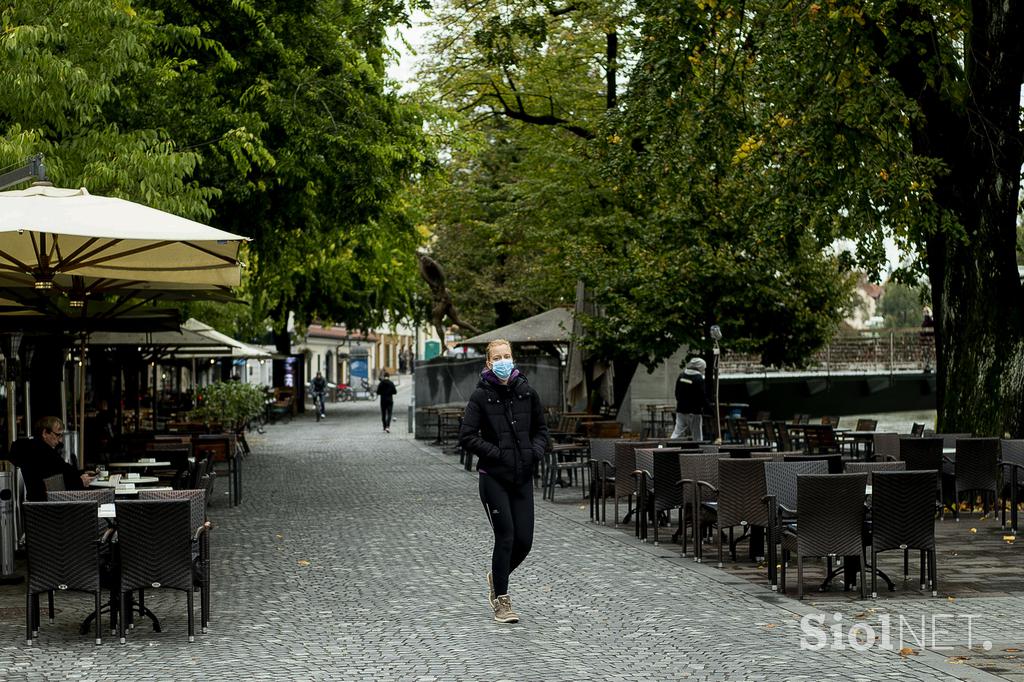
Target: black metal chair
<point>156,549</point>
<point>885,447</point>
<point>976,469</point>
<point>200,527</point>
<point>830,510</point>
<point>63,553</point>
<point>780,501</point>
<point>903,517</point>
<point>820,439</point>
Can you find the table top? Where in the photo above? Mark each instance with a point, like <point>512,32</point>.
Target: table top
<point>140,463</point>
<point>117,480</point>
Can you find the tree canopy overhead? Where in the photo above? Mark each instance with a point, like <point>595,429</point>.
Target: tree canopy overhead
<point>269,119</point>
<point>739,140</point>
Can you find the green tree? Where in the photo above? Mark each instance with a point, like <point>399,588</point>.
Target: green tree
<point>901,306</point>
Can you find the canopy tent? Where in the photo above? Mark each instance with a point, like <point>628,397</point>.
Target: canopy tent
<point>552,326</point>
<point>237,348</point>
<point>48,234</point>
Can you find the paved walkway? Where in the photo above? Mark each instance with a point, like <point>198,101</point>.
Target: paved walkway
<point>359,555</point>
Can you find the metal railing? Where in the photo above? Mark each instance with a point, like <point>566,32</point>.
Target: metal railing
<point>875,351</point>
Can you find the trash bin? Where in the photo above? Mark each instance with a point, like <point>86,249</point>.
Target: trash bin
<point>7,535</point>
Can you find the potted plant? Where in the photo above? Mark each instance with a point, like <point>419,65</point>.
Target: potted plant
<point>228,403</point>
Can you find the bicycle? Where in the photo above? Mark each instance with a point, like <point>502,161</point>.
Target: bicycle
<point>318,406</point>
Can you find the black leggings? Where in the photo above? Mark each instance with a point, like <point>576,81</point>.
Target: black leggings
<point>509,508</point>
<point>385,412</point>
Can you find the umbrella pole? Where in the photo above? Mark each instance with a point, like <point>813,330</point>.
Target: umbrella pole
<point>81,390</point>
<point>156,395</point>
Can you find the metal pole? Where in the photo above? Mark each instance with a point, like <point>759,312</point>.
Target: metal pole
<point>718,407</point>
<point>81,403</point>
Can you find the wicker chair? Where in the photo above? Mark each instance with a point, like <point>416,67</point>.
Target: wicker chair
<point>834,462</point>
<point>697,468</point>
<point>870,467</point>
<point>1012,463</point>
<point>667,493</point>
<point>63,553</point>
<point>976,469</point>
<point>625,464</point>
<point>903,517</point>
<point>924,454</point>
<point>885,447</point>
<point>156,547</point>
<point>741,492</point>
<point>97,496</point>
<point>780,501</point>
<point>866,425</point>
<point>602,475</point>
<point>949,439</point>
<point>917,430</point>
<point>831,512</point>
<point>820,439</point>
<point>200,528</point>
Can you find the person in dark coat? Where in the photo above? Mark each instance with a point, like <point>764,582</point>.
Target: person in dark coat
<point>691,400</point>
<point>504,427</point>
<point>386,390</point>
<point>39,458</point>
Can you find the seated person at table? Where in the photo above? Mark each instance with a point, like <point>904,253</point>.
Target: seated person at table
<point>40,458</point>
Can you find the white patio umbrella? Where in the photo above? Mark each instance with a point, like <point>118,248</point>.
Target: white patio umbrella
<point>48,234</point>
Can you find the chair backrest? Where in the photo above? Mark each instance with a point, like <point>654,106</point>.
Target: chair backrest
<point>886,445</point>
<point>917,430</point>
<point>665,468</point>
<point>834,463</point>
<point>921,453</point>
<point>831,420</point>
<point>95,495</point>
<point>903,509</point>
<point>645,461</point>
<point>870,467</point>
<point>55,482</point>
<point>1012,450</point>
<point>831,513</point>
<point>196,501</point>
<point>741,491</point>
<point>155,543</point>
<point>737,451</point>
<point>949,439</point>
<point>603,450</point>
<point>625,464</point>
<point>866,425</point>
<point>780,478</point>
<point>783,437</point>
<point>771,437</point>
<point>61,545</point>
<point>698,466</point>
<point>739,430</point>
<point>820,438</point>
<point>977,463</point>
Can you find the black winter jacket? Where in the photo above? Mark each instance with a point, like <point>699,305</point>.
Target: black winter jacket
<point>504,426</point>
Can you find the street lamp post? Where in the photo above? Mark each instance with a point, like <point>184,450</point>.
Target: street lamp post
<point>716,336</point>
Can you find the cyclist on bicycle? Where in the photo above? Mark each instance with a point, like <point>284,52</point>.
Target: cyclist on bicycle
<point>319,389</point>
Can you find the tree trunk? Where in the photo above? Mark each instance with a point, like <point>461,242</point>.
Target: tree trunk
<point>975,284</point>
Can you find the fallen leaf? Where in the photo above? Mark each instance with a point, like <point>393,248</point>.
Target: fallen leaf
<point>974,530</point>
<point>957,659</point>
<point>771,625</point>
<point>951,598</point>
<point>1009,538</point>
<point>1011,649</point>
<point>303,562</point>
<point>907,651</point>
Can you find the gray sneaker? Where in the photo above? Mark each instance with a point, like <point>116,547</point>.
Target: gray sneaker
<point>503,612</point>
<point>491,597</point>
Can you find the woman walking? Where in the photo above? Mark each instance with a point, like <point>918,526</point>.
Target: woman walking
<point>504,427</point>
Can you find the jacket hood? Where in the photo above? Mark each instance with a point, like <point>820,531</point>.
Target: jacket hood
<point>696,366</point>
<point>489,379</point>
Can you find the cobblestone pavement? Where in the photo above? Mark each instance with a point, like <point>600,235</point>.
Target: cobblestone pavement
<point>360,555</point>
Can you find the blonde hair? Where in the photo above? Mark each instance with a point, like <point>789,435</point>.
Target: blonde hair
<point>497,342</point>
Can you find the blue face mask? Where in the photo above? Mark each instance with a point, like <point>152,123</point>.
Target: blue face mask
<point>502,368</point>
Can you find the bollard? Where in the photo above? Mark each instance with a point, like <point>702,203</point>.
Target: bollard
<point>412,418</point>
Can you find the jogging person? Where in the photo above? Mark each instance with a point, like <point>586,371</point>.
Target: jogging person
<point>504,427</point>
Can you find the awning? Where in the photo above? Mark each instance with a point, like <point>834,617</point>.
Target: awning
<point>552,326</point>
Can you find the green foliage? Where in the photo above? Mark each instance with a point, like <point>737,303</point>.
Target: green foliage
<point>901,306</point>
<point>229,403</point>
